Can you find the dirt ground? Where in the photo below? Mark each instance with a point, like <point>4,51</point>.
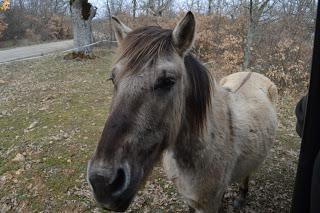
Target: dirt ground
<point>52,112</point>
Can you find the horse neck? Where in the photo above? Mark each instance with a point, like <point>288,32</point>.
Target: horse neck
<point>189,146</point>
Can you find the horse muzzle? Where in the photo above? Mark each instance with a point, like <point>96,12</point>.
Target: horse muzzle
<point>113,188</point>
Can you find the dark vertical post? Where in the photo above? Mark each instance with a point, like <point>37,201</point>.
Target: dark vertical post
<point>310,145</point>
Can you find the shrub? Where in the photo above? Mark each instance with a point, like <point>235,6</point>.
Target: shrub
<point>58,28</point>
<point>3,26</point>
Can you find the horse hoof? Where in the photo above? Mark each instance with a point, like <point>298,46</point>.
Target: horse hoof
<point>238,203</point>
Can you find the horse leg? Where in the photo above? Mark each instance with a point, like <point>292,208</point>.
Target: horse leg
<point>191,210</point>
<point>215,204</point>
<point>241,200</point>
<point>221,208</point>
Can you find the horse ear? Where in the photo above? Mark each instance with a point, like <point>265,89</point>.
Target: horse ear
<point>184,33</point>
<point>120,29</point>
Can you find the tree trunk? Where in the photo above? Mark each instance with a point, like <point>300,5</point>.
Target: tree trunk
<point>248,45</point>
<point>198,6</point>
<point>209,7</point>
<point>255,13</point>
<point>134,9</point>
<point>82,14</point>
<point>21,4</point>
<point>112,37</point>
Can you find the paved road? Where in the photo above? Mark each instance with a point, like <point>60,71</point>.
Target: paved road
<point>34,50</point>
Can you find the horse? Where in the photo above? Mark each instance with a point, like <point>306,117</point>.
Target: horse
<point>167,105</point>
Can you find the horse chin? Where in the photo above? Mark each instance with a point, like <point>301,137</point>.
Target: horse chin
<point>117,207</point>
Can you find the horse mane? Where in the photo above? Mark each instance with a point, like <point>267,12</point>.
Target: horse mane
<point>146,45</point>
<point>199,98</point>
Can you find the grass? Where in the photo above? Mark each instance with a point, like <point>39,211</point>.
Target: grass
<point>69,101</point>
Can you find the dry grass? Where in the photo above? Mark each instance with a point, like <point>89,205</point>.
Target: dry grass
<point>51,115</point>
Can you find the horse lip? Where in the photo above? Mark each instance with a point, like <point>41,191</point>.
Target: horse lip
<point>116,209</point>
<point>117,206</point>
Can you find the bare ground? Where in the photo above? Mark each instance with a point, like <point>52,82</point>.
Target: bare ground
<point>51,115</point>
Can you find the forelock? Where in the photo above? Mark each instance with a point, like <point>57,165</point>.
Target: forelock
<point>145,46</point>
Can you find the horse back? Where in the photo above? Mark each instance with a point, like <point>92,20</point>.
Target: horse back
<point>251,84</point>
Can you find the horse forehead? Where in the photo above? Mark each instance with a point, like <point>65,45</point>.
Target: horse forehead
<point>167,64</point>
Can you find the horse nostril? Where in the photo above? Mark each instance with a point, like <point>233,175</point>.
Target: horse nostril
<point>97,180</point>
<point>118,184</point>
<point>106,185</point>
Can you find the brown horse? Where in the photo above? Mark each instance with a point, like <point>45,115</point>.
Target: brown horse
<point>165,104</point>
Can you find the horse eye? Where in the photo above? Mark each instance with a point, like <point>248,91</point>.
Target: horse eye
<point>164,83</point>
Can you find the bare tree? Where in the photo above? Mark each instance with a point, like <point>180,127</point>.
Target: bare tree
<point>256,10</point>
<point>210,6</point>
<point>198,3</point>
<point>190,5</point>
<point>161,7</point>
<point>116,6</point>
<point>134,8</point>
<point>82,14</point>
<point>109,16</point>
